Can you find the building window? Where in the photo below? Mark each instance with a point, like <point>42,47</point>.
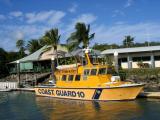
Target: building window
<point>70,78</point>
<point>123,59</point>
<point>136,59</point>
<point>64,78</point>
<point>144,58</point>
<point>86,72</point>
<point>93,71</point>
<point>77,78</point>
<point>157,57</point>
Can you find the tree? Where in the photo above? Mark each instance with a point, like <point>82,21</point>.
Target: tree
<point>81,35</point>
<point>20,44</point>
<point>52,39</point>
<point>105,46</point>
<point>33,45</point>
<point>128,41</point>
<point>3,68</point>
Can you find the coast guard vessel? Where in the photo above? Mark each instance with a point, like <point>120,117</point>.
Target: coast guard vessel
<point>89,82</point>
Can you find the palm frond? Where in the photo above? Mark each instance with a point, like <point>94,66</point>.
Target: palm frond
<point>47,48</point>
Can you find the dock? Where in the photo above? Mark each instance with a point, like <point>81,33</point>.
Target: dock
<point>23,89</point>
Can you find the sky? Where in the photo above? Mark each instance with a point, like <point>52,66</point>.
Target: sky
<point>110,20</point>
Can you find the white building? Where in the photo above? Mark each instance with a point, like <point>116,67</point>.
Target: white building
<point>129,57</point>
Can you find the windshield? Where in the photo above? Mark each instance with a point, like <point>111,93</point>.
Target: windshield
<point>102,71</point>
<point>111,71</point>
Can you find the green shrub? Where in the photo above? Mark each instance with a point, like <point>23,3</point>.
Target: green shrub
<point>142,72</point>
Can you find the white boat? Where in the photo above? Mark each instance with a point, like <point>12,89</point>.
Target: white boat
<point>5,90</point>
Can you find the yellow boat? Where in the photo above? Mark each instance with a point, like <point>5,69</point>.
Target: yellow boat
<point>89,82</point>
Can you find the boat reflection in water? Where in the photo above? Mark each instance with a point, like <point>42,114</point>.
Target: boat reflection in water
<point>59,109</point>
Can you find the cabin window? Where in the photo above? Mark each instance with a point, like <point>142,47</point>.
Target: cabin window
<point>93,71</point>
<point>70,78</point>
<point>64,78</point>
<point>86,72</point>
<point>77,78</point>
<point>102,71</point>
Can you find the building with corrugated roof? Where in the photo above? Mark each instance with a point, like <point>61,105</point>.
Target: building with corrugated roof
<point>38,61</point>
<point>131,57</point>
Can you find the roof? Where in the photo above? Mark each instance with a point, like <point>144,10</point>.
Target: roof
<point>131,50</point>
<point>32,57</point>
<point>41,55</point>
<point>80,52</point>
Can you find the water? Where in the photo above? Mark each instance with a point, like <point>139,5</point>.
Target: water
<point>25,106</point>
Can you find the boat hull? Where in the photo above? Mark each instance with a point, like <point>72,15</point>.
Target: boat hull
<point>103,94</point>
<point>5,90</point>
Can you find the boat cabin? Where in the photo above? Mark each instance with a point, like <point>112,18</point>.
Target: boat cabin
<point>84,76</point>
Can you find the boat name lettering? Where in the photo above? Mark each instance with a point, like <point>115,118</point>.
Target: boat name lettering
<point>46,91</point>
<point>66,93</point>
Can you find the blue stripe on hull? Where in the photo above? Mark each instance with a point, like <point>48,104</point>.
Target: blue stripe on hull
<point>97,93</point>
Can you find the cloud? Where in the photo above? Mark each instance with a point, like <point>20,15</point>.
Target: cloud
<point>118,12</point>
<point>56,18</point>
<point>128,3</point>
<point>16,14</point>
<point>116,33</point>
<point>33,26</point>
<point>2,17</point>
<point>9,34</point>
<point>73,8</point>
<point>18,35</point>
<point>7,2</point>
<point>87,18</point>
<point>103,34</point>
<point>51,17</point>
<point>119,23</point>
<point>122,10</point>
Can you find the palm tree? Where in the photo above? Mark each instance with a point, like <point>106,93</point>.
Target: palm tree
<point>81,35</point>
<point>33,45</point>
<point>20,44</point>
<point>52,39</point>
<point>128,41</point>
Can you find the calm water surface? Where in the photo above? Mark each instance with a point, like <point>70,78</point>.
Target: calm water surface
<point>25,106</point>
